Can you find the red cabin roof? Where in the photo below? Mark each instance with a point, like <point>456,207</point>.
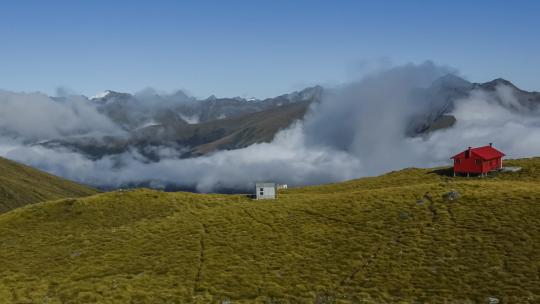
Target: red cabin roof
<point>486,153</point>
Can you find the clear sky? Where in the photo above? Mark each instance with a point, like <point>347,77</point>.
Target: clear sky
<point>257,48</point>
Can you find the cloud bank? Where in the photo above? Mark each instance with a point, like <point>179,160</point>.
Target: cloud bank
<point>35,116</point>
<point>357,130</point>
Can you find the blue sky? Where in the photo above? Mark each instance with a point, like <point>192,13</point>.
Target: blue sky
<point>257,48</point>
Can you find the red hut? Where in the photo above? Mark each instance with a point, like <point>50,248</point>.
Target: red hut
<point>479,160</point>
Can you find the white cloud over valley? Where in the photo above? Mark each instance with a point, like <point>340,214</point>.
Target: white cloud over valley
<point>357,130</point>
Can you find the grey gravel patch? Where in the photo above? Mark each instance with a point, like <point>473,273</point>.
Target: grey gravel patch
<point>511,169</point>
<point>492,300</point>
<point>453,195</point>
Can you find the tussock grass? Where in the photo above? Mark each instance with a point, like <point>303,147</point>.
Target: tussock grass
<point>22,185</point>
<point>385,239</point>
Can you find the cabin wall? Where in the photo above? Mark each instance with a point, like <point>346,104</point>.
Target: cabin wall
<point>486,166</point>
<point>265,192</point>
<point>476,165</point>
<point>493,164</point>
<point>496,164</point>
<point>468,165</point>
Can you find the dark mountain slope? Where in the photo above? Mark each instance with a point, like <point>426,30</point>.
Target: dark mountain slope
<point>135,111</point>
<point>231,133</point>
<point>439,101</point>
<point>525,101</point>
<point>195,127</point>
<point>193,139</point>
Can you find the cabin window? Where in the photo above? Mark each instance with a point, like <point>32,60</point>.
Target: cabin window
<point>477,162</point>
<point>261,189</point>
<point>458,161</point>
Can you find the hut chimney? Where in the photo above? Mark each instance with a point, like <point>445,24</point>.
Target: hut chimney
<point>491,144</point>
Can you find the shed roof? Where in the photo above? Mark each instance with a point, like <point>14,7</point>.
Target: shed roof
<point>485,152</point>
<point>263,185</point>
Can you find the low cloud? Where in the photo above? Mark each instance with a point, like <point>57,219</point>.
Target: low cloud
<point>357,130</point>
<point>287,159</point>
<point>35,116</point>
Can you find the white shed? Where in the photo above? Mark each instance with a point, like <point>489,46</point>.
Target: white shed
<point>265,190</point>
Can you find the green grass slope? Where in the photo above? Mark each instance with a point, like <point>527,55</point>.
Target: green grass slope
<point>387,239</point>
<point>21,185</point>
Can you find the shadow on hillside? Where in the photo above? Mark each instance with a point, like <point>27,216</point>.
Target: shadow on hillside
<point>443,171</point>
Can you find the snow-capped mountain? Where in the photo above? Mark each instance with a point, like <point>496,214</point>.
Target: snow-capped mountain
<point>101,95</point>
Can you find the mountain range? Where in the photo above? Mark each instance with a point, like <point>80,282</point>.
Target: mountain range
<point>192,127</point>
<point>442,95</point>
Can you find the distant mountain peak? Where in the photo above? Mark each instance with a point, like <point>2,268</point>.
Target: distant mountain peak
<point>212,97</point>
<point>107,95</point>
<point>101,95</point>
<point>181,94</point>
<point>499,81</point>
<point>492,85</point>
<point>306,94</point>
<point>451,80</point>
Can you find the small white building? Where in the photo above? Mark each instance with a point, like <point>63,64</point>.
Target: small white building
<point>265,190</point>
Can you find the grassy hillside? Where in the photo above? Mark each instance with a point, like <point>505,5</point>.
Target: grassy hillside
<point>21,185</point>
<point>388,239</point>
